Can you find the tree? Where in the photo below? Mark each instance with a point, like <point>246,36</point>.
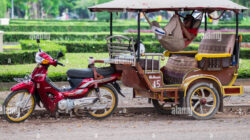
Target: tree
<point>82,7</point>
<point>20,7</point>
<point>3,8</point>
<point>50,7</point>
<point>245,3</point>
<point>67,5</point>
<point>103,16</point>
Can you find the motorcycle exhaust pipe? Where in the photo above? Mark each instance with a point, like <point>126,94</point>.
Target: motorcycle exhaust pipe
<point>85,101</point>
<point>68,104</point>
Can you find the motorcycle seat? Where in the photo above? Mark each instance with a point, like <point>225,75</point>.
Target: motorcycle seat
<point>88,73</point>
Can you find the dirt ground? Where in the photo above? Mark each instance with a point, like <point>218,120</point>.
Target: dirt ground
<point>132,126</point>
<point>129,127</point>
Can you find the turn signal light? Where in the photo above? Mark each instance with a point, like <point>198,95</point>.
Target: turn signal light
<point>241,38</point>
<point>45,62</point>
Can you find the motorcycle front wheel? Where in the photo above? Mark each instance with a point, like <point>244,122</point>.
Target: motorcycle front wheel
<point>107,103</point>
<point>18,106</point>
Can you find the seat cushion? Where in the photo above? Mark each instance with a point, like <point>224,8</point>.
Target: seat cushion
<point>88,73</point>
<point>217,43</point>
<point>177,67</point>
<point>80,73</point>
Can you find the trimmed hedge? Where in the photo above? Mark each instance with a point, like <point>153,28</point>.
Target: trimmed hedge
<point>101,46</point>
<point>94,27</point>
<point>84,46</point>
<point>79,36</point>
<point>27,54</point>
<point>65,28</point>
<point>10,77</point>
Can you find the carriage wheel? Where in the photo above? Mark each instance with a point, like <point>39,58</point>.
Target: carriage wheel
<point>203,101</point>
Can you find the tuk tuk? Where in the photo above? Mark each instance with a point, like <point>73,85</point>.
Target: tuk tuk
<point>195,80</point>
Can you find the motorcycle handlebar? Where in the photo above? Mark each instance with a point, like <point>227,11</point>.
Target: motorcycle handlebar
<point>61,64</point>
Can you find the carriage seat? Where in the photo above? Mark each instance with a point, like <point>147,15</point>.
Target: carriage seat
<point>214,53</point>
<point>177,66</point>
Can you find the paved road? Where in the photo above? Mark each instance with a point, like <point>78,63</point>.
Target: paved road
<point>129,127</point>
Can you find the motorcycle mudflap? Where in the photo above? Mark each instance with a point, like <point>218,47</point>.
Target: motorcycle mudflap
<point>130,78</point>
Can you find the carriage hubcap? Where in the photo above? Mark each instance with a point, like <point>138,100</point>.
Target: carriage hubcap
<point>203,101</point>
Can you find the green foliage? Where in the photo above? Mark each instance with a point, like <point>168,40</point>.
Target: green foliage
<point>151,47</point>
<point>51,7</point>
<point>67,28</point>
<point>244,71</point>
<point>27,54</point>
<point>67,4</point>
<point>84,46</point>
<point>103,16</point>
<point>246,20</point>
<point>90,36</point>
<point>3,8</point>
<point>101,47</point>
<point>73,26</point>
<point>73,60</point>
<point>81,8</point>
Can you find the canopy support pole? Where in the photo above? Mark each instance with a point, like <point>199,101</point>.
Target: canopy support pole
<point>205,21</point>
<point>237,47</point>
<point>111,25</point>
<point>138,34</point>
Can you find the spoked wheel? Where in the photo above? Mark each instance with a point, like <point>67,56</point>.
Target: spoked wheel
<point>161,107</point>
<point>18,106</point>
<point>107,103</point>
<point>203,100</point>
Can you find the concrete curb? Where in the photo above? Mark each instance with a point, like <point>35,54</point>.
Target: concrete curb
<point>126,110</point>
<point>246,89</point>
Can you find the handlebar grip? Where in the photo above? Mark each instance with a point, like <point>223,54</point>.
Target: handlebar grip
<point>61,64</point>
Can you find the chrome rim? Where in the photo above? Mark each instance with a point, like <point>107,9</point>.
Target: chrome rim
<point>106,103</point>
<point>203,101</point>
<point>19,106</point>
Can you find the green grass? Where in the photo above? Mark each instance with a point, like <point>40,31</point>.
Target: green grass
<point>73,60</point>
<point>11,48</point>
<point>18,47</point>
<point>244,70</point>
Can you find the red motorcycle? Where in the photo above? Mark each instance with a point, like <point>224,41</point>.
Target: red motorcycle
<point>92,91</point>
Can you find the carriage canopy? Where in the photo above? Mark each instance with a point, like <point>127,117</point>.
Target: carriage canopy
<point>168,5</point>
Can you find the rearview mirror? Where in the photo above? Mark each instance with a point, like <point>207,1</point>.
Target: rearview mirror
<point>60,54</point>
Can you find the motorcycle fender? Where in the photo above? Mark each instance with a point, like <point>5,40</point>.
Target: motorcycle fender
<point>24,86</point>
<point>118,88</point>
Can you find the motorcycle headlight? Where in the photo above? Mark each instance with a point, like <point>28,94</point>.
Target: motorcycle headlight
<point>45,62</point>
<point>42,58</point>
<point>38,58</point>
